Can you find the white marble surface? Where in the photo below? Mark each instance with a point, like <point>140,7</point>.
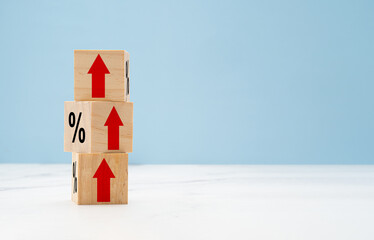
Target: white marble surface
<point>194,202</point>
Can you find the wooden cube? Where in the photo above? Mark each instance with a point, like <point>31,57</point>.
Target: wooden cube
<point>101,75</point>
<point>99,178</point>
<point>95,127</point>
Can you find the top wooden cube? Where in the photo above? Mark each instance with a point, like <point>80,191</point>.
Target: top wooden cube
<point>101,75</point>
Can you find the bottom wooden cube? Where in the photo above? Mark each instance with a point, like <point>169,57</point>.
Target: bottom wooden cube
<point>100,178</point>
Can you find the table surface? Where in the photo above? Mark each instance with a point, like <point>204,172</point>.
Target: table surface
<point>194,202</point>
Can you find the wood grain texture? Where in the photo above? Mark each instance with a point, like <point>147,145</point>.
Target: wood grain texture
<point>94,116</point>
<point>86,166</point>
<point>116,82</point>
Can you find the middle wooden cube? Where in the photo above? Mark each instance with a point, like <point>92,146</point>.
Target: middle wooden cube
<point>94,127</point>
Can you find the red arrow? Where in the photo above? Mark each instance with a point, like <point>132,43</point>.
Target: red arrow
<point>113,122</point>
<point>98,71</point>
<point>103,175</point>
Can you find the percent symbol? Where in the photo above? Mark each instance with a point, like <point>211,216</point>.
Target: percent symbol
<point>81,132</point>
<point>75,179</point>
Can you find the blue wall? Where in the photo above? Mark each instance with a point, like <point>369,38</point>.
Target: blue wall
<point>212,81</point>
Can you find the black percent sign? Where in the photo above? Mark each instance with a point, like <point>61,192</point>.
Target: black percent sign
<point>75,179</point>
<point>127,78</point>
<point>81,132</point>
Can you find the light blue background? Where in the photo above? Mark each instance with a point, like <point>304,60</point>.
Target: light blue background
<point>212,81</point>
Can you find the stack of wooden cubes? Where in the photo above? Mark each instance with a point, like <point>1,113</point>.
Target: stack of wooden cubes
<point>99,127</point>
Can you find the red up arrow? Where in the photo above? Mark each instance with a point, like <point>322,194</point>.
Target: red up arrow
<point>103,175</point>
<point>98,71</point>
<point>113,122</point>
